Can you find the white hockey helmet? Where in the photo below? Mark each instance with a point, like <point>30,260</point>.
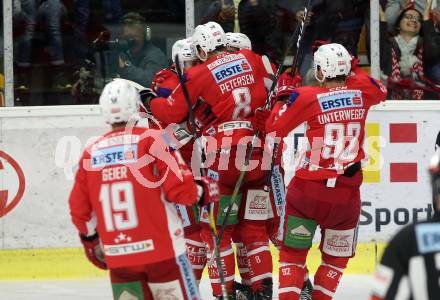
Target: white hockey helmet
<point>183,49</point>
<point>333,60</point>
<point>238,40</point>
<point>207,37</point>
<point>119,102</point>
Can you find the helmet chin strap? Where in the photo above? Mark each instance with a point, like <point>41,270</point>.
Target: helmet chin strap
<point>200,57</point>
<point>317,77</point>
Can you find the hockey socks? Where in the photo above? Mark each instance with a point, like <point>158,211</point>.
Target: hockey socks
<point>327,277</point>
<point>228,262</point>
<point>243,264</point>
<point>291,280</point>
<point>260,264</point>
<point>196,253</point>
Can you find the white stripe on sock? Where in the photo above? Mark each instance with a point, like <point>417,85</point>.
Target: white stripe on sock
<point>323,290</point>
<point>260,277</point>
<point>289,289</point>
<point>258,250</point>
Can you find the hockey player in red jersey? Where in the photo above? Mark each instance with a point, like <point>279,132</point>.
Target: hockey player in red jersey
<point>325,189</point>
<point>164,82</point>
<point>225,90</point>
<point>121,204</point>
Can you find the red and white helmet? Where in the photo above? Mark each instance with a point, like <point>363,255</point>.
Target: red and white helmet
<point>183,49</point>
<point>238,40</point>
<point>207,37</point>
<point>119,102</point>
<point>333,60</point>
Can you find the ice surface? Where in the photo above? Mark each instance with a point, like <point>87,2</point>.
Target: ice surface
<point>353,287</point>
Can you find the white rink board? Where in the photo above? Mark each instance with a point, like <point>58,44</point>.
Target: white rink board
<point>41,219</point>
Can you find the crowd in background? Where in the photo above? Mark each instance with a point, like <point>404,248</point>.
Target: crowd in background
<point>65,50</point>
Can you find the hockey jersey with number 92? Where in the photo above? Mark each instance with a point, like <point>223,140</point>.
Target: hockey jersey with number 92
<point>335,121</point>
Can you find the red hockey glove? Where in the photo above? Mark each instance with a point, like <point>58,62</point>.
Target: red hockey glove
<point>93,250</point>
<point>286,84</point>
<point>318,43</point>
<point>159,78</point>
<point>354,63</point>
<point>260,118</point>
<point>208,190</point>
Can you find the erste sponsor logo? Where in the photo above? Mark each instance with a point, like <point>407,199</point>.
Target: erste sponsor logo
<point>340,99</point>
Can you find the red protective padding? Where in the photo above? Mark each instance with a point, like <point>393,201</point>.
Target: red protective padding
<point>260,263</point>
<point>228,262</point>
<point>291,280</point>
<point>166,273</point>
<point>243,263</point>
<point>196,253</point>
<point>327,278</point>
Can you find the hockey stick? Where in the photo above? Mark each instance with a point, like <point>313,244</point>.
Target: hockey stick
<point>250,148</point>
<point>300,31</point>
<point>212,224</point>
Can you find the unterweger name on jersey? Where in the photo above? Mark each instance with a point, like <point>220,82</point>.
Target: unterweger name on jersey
<point>231,71</point>
<point>332,102</point>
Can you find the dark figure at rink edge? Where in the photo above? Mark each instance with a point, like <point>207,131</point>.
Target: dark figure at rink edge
<point>122,204</point>
<point>410,266</point>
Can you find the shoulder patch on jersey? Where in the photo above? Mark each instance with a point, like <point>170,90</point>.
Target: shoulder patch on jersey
<point>378,84</point>
<point>292,98</point>
<point>428,237</point>
<point>340,99</point>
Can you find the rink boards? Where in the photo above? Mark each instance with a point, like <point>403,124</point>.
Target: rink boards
<point>40,147</point>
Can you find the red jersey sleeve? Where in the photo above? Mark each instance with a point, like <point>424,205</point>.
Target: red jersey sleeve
<point>286,117</point>
<point>179,185</point>
<point>174,109</point>
<point>374,91</point>
<point>81,210</point>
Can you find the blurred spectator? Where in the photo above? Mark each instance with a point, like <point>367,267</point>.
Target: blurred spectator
<point>220,11</point>
<point>403,55</point>
<point>133,57</point>
<point>50,12</point>
<point>142,59</point>
<point>336,21</point>
<point>393,9</point>
<point>112,14</point>
<point>431,29</point>
<point>177,10</point>
<point>258,19</point>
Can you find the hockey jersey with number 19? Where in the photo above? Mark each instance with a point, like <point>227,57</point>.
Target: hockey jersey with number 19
<point>335,123</point>
<point>122,189</point>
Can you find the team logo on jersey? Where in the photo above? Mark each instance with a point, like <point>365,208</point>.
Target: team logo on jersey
<point>339,243</point>
<point>114,155</point>
<point>258,205</point>
<point>340,99</point>
<point>231,69</point>
<point>428,237</point>
<point>129,248</point>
